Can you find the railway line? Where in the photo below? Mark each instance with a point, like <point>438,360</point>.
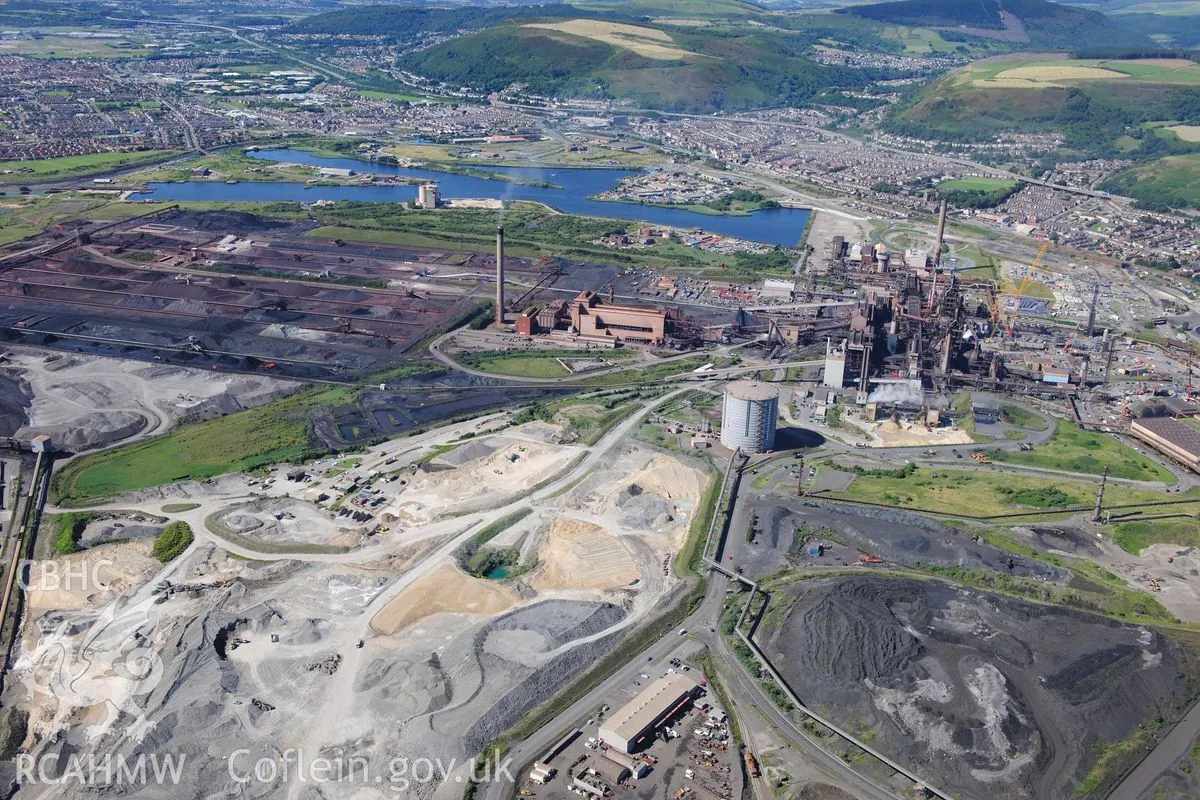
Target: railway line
<point>18,546</point>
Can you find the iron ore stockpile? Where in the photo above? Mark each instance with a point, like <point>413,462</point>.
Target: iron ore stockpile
<point>170,289</point>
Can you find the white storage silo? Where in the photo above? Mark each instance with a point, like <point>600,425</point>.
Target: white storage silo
<point>748,416</point>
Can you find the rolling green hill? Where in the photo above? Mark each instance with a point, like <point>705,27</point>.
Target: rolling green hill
<point>676,9</point>
<point>1090,102</point>
<point>678,69</point>
<point>1171,182</point>
<point>1035,23</point>
<point>403,21</point>
<point>1147,110</point>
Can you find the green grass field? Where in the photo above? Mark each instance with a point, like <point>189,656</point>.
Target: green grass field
<point>1134,536</point>
<point>245,440</point>
<point>73,47</point>
<point>531,367</point>
<point>1072,449</point>
<point>535,363</point>
<point>1022,417</point>
<point>1073,72</point>
<point>77,166</point>
<point>918,41</point>
<point>984,492</point>
<point>538,233</point>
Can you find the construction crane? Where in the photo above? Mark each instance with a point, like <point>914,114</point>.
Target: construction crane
<point>1015,309</point>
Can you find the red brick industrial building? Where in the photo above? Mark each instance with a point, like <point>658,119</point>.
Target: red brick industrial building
<point>587,315</point>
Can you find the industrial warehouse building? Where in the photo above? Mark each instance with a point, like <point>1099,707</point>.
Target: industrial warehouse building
<point>609,771</point>
<point>636,766</point>
<point>1170,437</point>
<point>633,726</point>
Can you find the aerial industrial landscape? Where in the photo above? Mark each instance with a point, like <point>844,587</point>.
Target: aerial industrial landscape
<point>709,400</point>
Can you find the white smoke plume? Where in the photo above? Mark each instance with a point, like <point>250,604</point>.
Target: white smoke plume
<point>908,393</point>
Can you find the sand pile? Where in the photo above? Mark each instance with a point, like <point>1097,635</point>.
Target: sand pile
<point>509,466</point>
<point>446,589</point>
<point>59,585</point>
<point>583,555</point>
<point>904,435</point>
<point>672,479</point>
<point>661,490</point>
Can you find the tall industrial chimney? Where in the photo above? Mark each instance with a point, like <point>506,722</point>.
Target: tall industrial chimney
<point>499,275</point>
<point>1091,326</point>
<point>941,233</point>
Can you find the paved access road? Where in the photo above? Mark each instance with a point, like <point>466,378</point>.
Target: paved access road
<point>1173,747</point>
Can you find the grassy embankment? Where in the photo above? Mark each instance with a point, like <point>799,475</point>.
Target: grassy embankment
<point>172,541</point>
<point>1094,588</point>
<point>1073,449</point>
<point>236,165</point>
<point>1135,535</point>
<point>534,363</point>
<point>479,560</point>
<point>69,528</point>
<point>548,154</point>
<point>52,169</point>
<point>739,203</point>
<point>257,437</point>
<point>278,431</point>
<point>983,493</point>
<point>1022,417</point>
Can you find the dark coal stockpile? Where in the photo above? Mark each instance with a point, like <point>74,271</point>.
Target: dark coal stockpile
<point>986,695</point>
<point>790,530</point>
<point>14,406</point>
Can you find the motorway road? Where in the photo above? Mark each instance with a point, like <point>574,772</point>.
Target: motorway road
<point>328,71</point>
